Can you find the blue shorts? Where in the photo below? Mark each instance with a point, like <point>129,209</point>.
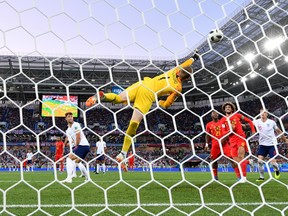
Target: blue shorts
<point>100,157</point>
<point>81,151</point>
<point>265,150</point>
<point>29,161</point>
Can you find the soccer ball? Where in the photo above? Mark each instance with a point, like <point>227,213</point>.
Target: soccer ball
<point>215,35</point>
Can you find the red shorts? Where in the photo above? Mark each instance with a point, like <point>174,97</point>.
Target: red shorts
<point>216,150</point>
<point>57,157</point>
<point>235,144</point>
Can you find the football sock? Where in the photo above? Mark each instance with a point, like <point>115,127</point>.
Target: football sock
<point>131,131</point>
<point>83,169</point>
<point>261,169</point>
<point>237,172</point>
<point>111,97</point>
<point>275,166</point>
<point>103,167</point>
<point>97,170</point>
<point>70,167</point>
<point>243,166</point>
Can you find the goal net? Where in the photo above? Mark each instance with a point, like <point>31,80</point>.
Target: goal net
<point>54,55</point>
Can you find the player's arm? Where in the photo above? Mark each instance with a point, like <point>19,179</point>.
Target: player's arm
<point>78,138</point>
<point>244,118</point>
<point>169,101</point>
<point>283,137</point>
<point>66,141</point>
<point>207,138</point>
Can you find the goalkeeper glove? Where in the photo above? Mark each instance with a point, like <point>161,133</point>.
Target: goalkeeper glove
<point>196,55</point>
<point>162,103</point>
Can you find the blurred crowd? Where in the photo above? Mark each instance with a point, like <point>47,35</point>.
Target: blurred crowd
<point>180,140</point>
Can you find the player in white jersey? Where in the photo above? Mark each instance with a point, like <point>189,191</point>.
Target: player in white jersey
<point>100,159</point>
<point>76,138</point>
<point>29,160</point>
<point>267,143</point>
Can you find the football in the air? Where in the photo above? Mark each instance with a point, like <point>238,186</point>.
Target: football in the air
<point>215,35</point>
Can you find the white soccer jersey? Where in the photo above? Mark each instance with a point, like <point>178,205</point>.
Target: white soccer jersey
<point>71,134</point>
<point>266,132</point>
<point>100,147</point>
<point>29,155</point>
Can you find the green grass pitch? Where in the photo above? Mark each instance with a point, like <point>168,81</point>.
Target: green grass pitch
<point>22,198</point>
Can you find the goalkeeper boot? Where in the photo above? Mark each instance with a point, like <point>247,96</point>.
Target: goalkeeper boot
<point>93,99</point>
<point>120,158</point>
<point>277,174</point>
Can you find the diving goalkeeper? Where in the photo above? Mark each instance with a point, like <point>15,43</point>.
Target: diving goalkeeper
<point>143,95</point>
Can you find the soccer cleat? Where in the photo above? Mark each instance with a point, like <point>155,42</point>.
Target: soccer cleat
<point>93,99</point>
<point>216,178</point>
<point>242,180</point>
<point>260,180</point>
<point>67,180</point>
<point>277,174</point>
<point>120,157</point>
<point>81,176</point>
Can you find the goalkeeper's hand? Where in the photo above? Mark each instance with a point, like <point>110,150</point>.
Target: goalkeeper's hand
<point>196,55</point>
<point>162,103</point>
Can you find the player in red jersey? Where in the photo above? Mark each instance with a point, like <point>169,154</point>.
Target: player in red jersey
<point>131,161</point>
<point>59,152</point>
<point>237,139</point>
<point>217,129</point>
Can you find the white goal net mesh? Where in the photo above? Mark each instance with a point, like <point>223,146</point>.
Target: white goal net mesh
<point>56,54</point>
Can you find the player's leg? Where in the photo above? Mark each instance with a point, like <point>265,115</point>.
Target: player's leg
<point>70,167</point>
<point>227,152</point>
<point>243,163</point>
<point>261,168</point>
<point>214,154</point>
<point>97,166</point>
<point>261,154</point>
<point>62,164</point>
<point>115,98</point>
<point>130,132</point>
<point>272,154</point>
<point>81,152</point>
<point>103,165</point>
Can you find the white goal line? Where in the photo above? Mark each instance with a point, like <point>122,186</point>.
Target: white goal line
<point>142,204</point>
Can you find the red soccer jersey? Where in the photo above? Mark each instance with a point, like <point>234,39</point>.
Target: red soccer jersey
<point>215,129</point>
<point>235,120</point>
<point>59,148</point>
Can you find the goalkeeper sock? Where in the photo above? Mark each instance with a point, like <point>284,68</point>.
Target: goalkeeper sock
<point>131,131</point>
<point>111,97</point>
<point>243,166</point>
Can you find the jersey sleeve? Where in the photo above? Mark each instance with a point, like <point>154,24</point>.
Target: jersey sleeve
<point>169,101</point>
<point>275,127</point>
<point>76,127</point>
